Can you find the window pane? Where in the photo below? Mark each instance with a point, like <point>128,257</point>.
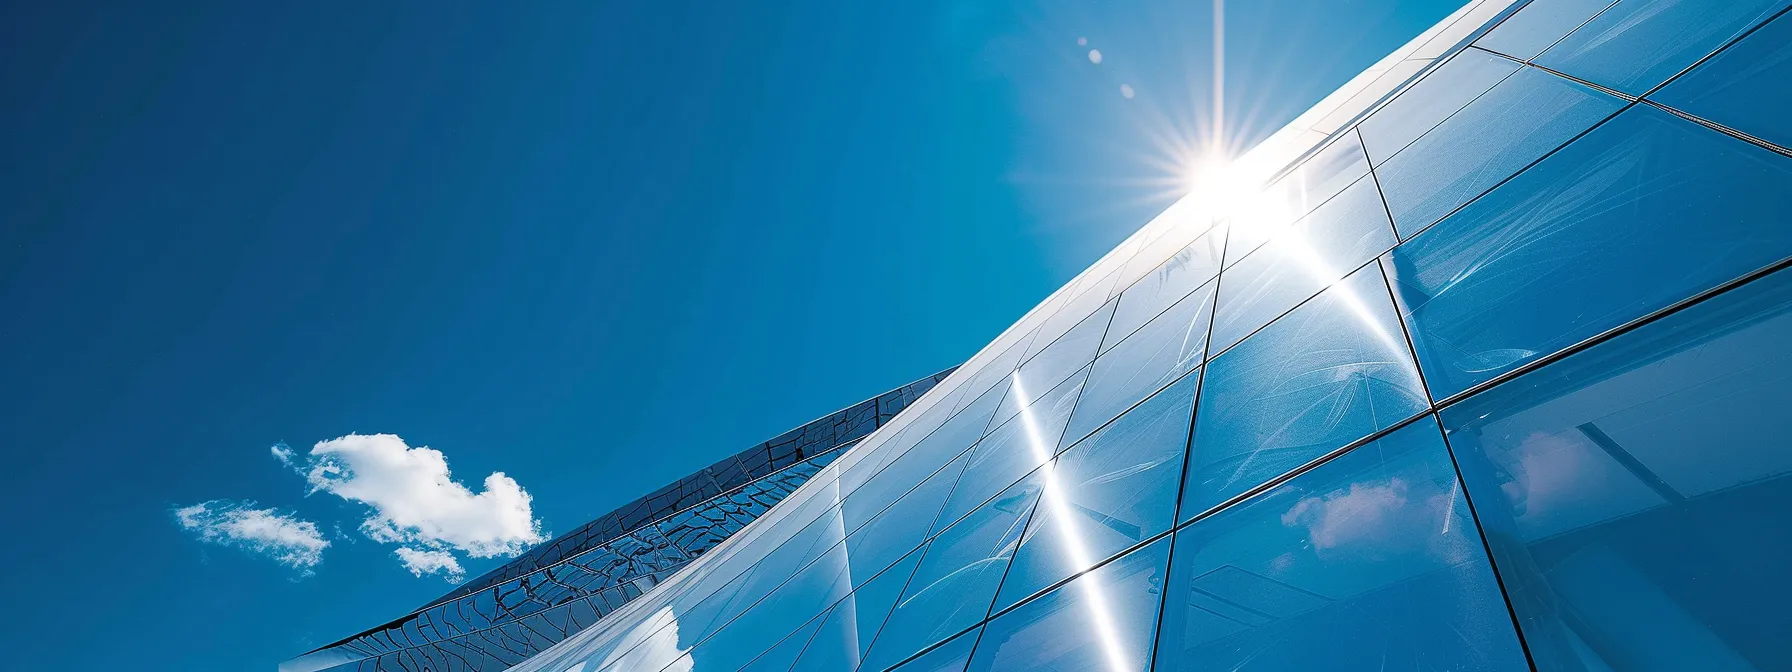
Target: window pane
<point>957,578</point>
<point>1302,260</point>
<point>1539,25</point>
<point>1331,372</point>
<point>1172,345</point>
<point>904,525</point>
<point>1745,87</point>
<point>1074,350</point>
<point>1638,44</point>
<point>1465,77</point>
<point>841,641</point>
<point>1013,450</point>
<point>1635,494</point>
<point>1106,494</point>
<point>783,655</point>
<point>1167,284</point>
<point>1368,562</point>
<point>950,657</point>
<point>1522,118</point>
<point>1261,215</point>
<point>1647,210</point>
<point>1103,620</point>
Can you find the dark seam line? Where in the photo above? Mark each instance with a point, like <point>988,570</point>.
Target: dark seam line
<point>1411,350</point>
<point>1279,316</point>
<point>1614,332</point>
<point>1188,454</point>
<point>1630,463</point>
<point>1739,135</point>
<point>1359,127</point>
<point>1589,84</point>
<point>1486,548</point>
<point>1721,49</point>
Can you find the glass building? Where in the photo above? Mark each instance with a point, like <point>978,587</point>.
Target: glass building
<point>1483,363</point>
<point>563,586</point>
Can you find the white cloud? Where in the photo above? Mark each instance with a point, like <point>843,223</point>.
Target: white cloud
<point>284,537</point>
<point>282,452</point>
<point>422,561</point>
<point>413,500</point>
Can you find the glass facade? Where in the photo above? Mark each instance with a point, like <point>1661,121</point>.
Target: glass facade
<point>1480,364</point>
<point>563,586</point>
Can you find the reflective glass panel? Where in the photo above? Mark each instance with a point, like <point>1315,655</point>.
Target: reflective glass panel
<point>1302,260</point>
<point>1638,44</point>
<point>1172,345</point>
<point>1166,285</point>
<point>1333,371</point>
<point>1645,211</point>
<point>949,657</point>
<point>1745,87</point>
<point>841,641</point>
<point>904,525</point>
<point>1539,25</point>
<point>1636,495</point>
<point>1519,120</point>
<point>1106,494</point>
<point>1074,350</point>
<point>958,577</point>
<point>1104,620</point>
<point>1440,94</point>
<point>1368,562</point>
<point>784,654</point>
<point>1012,450</point>
<point>1260,216</point>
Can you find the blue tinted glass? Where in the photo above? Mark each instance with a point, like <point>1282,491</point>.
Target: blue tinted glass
<point>1012,450</point>
<point>841,641</point>
<point>794,604</point>
<point>1106,494</point>
<point>1440,94</point>
<point>1519,120</point>
<point>783,655</point>
<point>996,371</point>
<point>958,577</point>
<point>949,657</point>
<point>1333,371</point>
<point>904,525</point>
<point>1103,620</point>
<point>1635,494</point>
<point>1302,260</point>
<point>1539,25</point>
<point>1262,215</point>
<point>1072,351</point>
<point>1645,211</point>
<point>1745,87</point>
<point>927,456</point>
<point>1368,562</point>
<point>1166,285</point>
<point>1172,345</point>
<point>1638,44</point>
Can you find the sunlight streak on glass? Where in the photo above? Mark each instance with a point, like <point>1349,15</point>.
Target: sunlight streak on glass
<point>1053,495</point>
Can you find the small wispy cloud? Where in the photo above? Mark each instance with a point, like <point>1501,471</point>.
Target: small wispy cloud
<point>422,561</point>
<point>284,537</point>
<point>283,453</point>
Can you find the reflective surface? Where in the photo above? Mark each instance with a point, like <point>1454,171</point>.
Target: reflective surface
<point>1247,393</point>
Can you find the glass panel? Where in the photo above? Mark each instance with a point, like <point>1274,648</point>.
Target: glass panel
<point>1368,562</point>
<point>1012,450</point>
<point>1638,44</point>
<point>1744,87</point>
<point>1331,372</point>
<point>841,641</point>
<point>1635,494</point>
<point>1056,362</point>
<point>1168,284</point>
<point>1522,118</point>
<point>1538,25</point>
<point>1172,345</point>
<point>1103,620</point>
<point>1302,260</point>
<point>958,577</point>
<point>783,655</point>
<point>926,457</point>
<point>949,657</point>
<point>1259,217</point>
<point>1464,78</point>
<point>1106,494</point>
<point>903,526</point>
<point>1647,210</point>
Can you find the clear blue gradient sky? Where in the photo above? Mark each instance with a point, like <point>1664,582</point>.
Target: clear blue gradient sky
<point>593,245</point>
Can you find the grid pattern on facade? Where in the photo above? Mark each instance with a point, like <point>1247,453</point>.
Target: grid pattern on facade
<point>1486,370</point>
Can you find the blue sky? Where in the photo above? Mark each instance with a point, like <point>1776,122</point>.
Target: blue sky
<point>592,246</point>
